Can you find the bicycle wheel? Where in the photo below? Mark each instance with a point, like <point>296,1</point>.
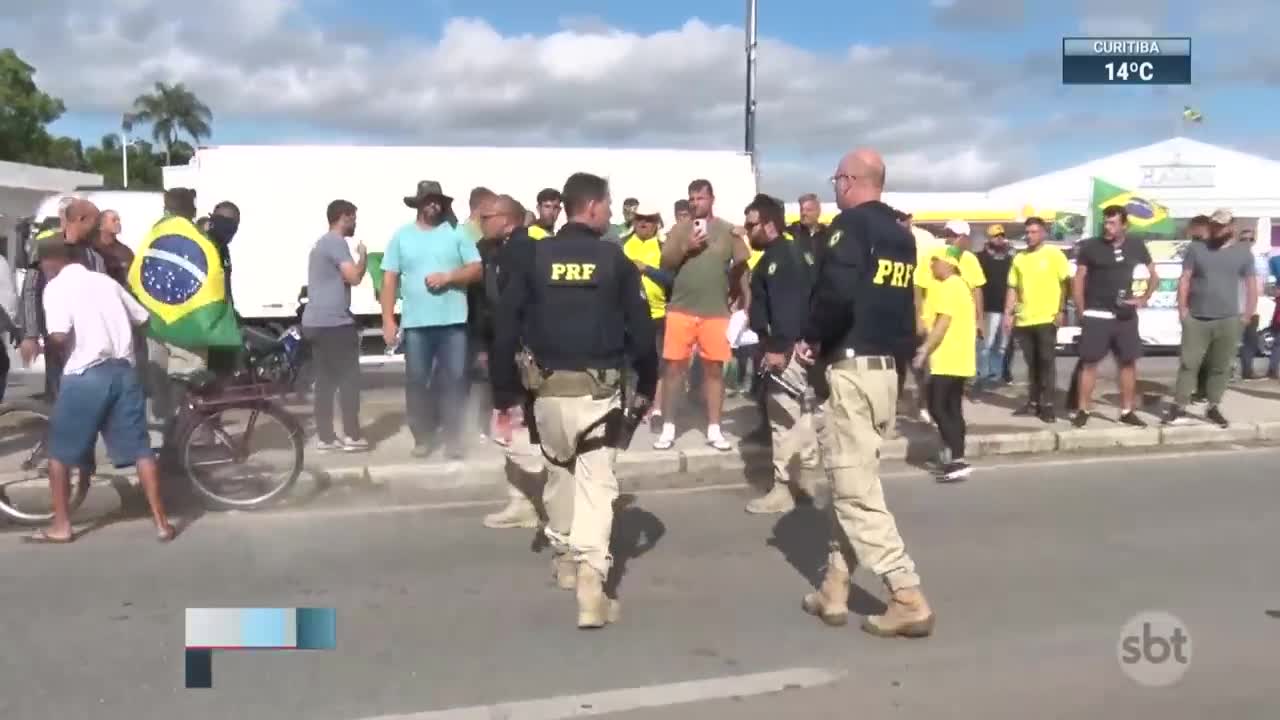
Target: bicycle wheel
<point>242,456</point>
<point>24,465</point>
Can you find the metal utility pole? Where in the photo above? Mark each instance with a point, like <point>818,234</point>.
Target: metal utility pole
<point>124,159</point>
<point>749,141</point>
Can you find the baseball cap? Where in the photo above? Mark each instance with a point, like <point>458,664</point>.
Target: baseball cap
<point>1222,216</point>
<point>955,227</point>
<point>950,256</point>
<point>995,230</point>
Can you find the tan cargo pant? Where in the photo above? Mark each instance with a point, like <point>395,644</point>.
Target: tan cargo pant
<point>164,360</point>
<point>578,498</point>
<point>853,423</point>
<point>790,424</point>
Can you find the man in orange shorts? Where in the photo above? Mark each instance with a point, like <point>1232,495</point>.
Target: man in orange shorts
<point>708,256</point>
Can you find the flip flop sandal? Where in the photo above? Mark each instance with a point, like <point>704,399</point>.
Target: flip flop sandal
<point>663,444</point>
<point>40,537</point>
<point>168,535</point>
<point>721,444</point>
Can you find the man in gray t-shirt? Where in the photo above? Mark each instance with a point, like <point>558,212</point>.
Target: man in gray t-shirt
<point>328,294</point>
<point>1215,273</point>
<point>331,330</point>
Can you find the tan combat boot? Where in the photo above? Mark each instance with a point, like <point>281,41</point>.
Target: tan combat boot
<point>831,602</point>
<point>519,513</point>
<point>564,570</point>
<point>908,616</point>
<point>595,609</point>
<point>777,500</point>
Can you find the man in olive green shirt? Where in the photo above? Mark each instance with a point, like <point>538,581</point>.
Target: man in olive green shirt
<point>708,257</point>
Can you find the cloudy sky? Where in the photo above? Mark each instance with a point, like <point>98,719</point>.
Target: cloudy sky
<point>959,94</point>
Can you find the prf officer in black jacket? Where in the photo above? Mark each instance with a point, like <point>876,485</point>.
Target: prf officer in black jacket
<point>862,317</point>
<point>780,288</point>
<point>579,307</point>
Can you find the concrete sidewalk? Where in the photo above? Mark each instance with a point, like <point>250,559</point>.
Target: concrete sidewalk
<point>1253,408</point>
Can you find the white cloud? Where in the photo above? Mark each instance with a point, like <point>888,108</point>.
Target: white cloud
<point>587,84</point>
<point>979,14</point>
<point>1123,18</point>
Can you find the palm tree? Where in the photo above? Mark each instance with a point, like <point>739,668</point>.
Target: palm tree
<point>171,110</point>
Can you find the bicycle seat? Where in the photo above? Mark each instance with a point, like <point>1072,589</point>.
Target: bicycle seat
<point>258,343</point>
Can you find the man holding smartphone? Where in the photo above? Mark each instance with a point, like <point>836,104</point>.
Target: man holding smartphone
<point>708,256</point>
<point>1103,287</point>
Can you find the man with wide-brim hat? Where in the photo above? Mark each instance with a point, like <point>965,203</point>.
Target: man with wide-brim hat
<point>428,266</point>
<point>428,191</point>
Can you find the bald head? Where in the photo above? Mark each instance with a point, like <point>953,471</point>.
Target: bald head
<point>82,221</point>
<point>859,178</point>
<point>500,216</point>
<point>509,208</point>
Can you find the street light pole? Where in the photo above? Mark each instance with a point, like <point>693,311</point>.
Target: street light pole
<point>124,159</point>
<point>749,141</point>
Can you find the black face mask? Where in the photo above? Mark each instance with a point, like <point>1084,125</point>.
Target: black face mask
<point>222,229</point>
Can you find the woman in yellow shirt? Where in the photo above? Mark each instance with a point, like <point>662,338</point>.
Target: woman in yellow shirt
<point>644,248</point>
<point>951,351</point>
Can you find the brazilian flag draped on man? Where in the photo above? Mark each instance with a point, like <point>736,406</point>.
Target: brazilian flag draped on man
<point>1147,219</point>
<point>177,275</point>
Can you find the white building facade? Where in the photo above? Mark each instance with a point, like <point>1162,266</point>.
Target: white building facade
<point>23,187</point>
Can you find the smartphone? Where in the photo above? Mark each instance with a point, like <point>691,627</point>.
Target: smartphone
<point>700,226</point>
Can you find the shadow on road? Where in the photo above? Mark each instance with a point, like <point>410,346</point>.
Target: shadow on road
<point>802,536</point>
<point>636,531</point>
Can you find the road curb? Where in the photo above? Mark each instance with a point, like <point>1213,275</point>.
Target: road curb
<point>687,467</point>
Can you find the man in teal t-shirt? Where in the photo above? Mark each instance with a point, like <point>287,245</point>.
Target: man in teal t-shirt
<point>430,263</point>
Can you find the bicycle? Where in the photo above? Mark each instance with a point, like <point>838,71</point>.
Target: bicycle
<point>206,435</point>
<point>24,432</point>
<point>208,406</point>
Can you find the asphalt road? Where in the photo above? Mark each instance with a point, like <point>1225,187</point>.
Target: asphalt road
<point>1033,569</point>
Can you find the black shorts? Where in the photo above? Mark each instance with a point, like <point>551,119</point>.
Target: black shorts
<point>1098,336</point>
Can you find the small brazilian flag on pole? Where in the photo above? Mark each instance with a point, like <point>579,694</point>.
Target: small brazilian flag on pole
<point>1191,114</point>
<point>177,276</point>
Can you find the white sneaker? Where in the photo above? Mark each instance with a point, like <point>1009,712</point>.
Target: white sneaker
<point>718,441</point>
<point>352,445</point>
<point>925,418</point>
<point>322,446</point>
<point>664,442</point>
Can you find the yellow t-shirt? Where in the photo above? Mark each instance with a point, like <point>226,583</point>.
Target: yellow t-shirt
<point>955,356</point>
<point>970,268</point>
<point>1038,275</point>
<point>648,252</point>
<point>537,233</point>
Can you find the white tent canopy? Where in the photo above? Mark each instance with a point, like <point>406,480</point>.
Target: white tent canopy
<point>1186,176</point>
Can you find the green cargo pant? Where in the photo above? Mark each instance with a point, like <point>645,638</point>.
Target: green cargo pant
<point>1212,344</point>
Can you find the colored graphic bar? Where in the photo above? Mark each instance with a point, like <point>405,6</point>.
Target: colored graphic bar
<point>210,629</point>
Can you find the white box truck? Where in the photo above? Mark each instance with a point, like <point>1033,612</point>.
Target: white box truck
<point>283,191</point>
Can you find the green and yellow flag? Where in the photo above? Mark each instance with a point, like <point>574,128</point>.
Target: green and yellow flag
<point>177,276</point>
<point>1146,218</point>
<point>1191,114</point>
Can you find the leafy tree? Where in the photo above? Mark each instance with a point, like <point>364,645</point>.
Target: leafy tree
<point>145,166</point>
<point>24,113</point>
<point>172,111</point>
